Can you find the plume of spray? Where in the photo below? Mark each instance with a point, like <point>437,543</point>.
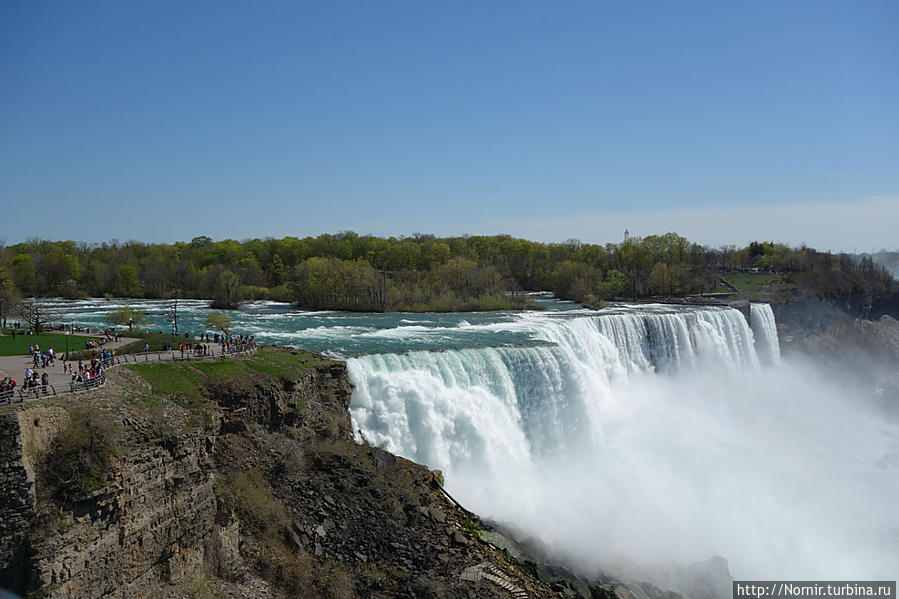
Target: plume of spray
<point>639,443</point>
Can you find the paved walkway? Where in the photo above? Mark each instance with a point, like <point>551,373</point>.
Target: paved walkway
<point>14,366</point>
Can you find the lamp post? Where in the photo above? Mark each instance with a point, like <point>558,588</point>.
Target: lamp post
<point>67,344</point>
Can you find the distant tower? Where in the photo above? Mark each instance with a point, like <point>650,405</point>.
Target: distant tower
<point>627,235</point>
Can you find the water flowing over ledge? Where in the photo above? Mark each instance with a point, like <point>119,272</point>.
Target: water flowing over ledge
<point>643,435</point>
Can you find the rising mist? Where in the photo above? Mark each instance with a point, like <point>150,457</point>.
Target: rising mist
<point>642,442</point>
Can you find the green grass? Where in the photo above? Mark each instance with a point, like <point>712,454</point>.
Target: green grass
<point>19,345</point>
<point>174,379</point>
<point>748,283</point>
<point>221,370</point>
<point>156,341</point>
<point>277,362</point>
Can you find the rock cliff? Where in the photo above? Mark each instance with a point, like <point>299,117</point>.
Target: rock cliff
<point>238,479</point>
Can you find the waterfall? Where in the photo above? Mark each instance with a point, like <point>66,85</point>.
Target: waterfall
<point>625,440</point>
<point>764,328</point>
<point>498,405</point>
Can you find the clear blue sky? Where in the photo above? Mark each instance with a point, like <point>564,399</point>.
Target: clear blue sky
<point>160,121</point>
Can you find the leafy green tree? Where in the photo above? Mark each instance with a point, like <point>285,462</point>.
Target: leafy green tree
<point>227,291</point>
<point>660,279</point>
<point>127,284</point>
<point>220,321</point>
<point>127,315</point>
<point>9,295</point>
<point>22,270</point>
<point>55,268</point>
<point>613,285</point>
<point>276,271</point>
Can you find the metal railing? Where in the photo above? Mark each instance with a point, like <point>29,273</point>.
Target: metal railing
<point>174,355</point>
<point>49,390</point>
<point>88,384</point>
<point>36,391</point>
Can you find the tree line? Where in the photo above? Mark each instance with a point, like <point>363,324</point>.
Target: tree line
<point>421,272</point>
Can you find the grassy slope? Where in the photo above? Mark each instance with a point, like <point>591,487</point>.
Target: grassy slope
<point>187,378</point>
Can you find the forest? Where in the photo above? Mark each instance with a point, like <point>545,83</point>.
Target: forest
<point>347,271</point>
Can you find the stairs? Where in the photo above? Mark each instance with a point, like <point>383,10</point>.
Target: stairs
<point>487,571</point>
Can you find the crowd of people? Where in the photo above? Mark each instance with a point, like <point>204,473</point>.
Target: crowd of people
<point>7,386</point>
<point>33,380</point>
<point>89,373</point>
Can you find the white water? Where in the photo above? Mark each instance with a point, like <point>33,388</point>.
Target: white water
<point>765,330</point>
<point>637,439</point>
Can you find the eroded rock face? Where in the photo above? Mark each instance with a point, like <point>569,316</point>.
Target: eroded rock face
<point>315,404</point>
<point>24,436</point>
<point>158,520</point>
<point>351,520</point>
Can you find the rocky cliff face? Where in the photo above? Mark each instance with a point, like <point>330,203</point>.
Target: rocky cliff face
<point>861,351</point>
<point>158,519</point>
<point>252,487</point>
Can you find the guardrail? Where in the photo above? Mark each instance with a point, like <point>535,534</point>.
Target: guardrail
<point>87,385</point>
<point>48,390</point>
<point>186,355</point>
<point>36,391</point>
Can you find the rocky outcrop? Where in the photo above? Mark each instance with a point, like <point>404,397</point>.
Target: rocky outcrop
<point>859,351</point>
<point>823,329</point>
<point>315,403</point>
<point>24,436</point>
<point>253,489</point>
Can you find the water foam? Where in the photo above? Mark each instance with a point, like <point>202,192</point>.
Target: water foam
<point>644,436</point>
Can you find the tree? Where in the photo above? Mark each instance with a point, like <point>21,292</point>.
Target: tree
<point>127,315</point>
<point>35,314</point>
<point>9,295</point>
<point>127,284</point>
<point>54,269</point>
<point>22,270</point>
<point>220,321</point>
<point>227,291</point>
<point>660,279</point>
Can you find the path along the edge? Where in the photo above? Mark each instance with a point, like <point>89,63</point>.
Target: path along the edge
<point>14,366</point>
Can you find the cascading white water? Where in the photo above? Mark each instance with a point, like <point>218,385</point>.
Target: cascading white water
<point>761,318</point>
<point>500,404</point>
<point>633,439</point>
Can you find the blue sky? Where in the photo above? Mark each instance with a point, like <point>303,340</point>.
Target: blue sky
<point>161,121</point>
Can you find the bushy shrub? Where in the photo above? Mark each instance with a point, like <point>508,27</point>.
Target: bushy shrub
<point>251,497</point>
<point>80,458</point>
